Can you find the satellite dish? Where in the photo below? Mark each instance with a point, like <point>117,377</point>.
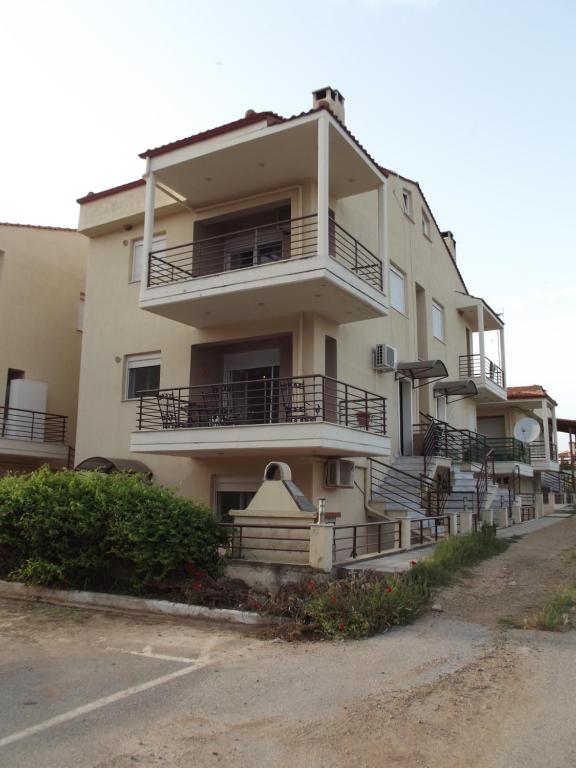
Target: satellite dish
<point>527,430</point>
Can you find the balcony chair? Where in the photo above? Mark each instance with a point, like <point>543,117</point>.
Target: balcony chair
<point>170,411</point>
<point>295,403</point>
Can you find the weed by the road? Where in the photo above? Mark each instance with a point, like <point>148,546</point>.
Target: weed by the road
<point>558,613</point>
<point>367,603</point>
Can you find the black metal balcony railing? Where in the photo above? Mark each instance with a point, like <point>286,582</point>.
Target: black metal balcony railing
<point>263,401</point>
<point>288,239</point>
<point>538,450</point>
<point>509,449</point>
<point>471,367</point>
<point>21,424</point>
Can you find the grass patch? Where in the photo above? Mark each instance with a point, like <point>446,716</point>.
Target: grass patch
<point>367,603</point>
<point>558,614</point>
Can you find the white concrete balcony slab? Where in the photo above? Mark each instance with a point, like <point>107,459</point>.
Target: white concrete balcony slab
<point>32,435</point>
<point>265,272</point>
<point>305,415</point>
<point>487,375</point>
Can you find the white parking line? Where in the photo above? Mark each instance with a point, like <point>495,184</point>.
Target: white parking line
<point>103,702</point>
<point>148,653</point>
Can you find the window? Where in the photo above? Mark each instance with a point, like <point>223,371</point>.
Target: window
<point>142,374</point>
<point>438,321</point>
<point>397,290</point>
<point>425,225</point>
<point>407,202</point>
<point>158,244</point>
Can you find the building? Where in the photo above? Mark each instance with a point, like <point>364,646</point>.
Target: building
<point>41,300</point>
<point>270,292</point>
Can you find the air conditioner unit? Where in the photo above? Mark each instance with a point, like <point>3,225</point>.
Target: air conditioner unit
<point>384,357</point>
<point>339,474</point>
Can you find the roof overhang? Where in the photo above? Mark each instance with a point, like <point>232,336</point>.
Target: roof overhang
<point>422,370</point>
<point>459,388</point>
<point>470,307</point>
<point>566,425</point>
<point>262,155</point>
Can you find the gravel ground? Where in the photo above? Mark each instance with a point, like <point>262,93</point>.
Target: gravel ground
<point>458,689</point>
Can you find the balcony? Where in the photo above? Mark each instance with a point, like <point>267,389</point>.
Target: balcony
<point>273,417</point>
<point>270,270</point>
<point>509,449</point>
<point>487,375</point>
<point>544,456</point>
<point>32,434</point>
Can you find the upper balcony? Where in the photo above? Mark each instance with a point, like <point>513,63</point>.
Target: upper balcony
<point>486,332</point>
<point>544,455</point>
<point>268,236</point>
<point>274,417</point>
<point>33,435</point>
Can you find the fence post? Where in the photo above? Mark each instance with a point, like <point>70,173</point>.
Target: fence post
<point>405,531</point>
<point>466,523</point>
<point>321,543</point>
<point>539,505</point>
<point>503,521</point>
<point>452,523</point>
<point>517,511</point>
<point>487,516</point>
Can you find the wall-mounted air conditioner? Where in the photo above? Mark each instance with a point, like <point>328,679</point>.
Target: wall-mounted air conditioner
<point>339,473</point>
<point>384,357</point>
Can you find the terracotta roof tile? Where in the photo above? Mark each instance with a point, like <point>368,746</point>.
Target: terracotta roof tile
<point>529,391</point>
<point>91,196</point>
<point>37,226</point>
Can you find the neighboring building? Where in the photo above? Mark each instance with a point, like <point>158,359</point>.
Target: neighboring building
<point>271,293</point>
<point>41,301</point>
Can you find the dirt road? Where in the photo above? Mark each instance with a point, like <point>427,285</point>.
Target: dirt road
<point>457,689</point>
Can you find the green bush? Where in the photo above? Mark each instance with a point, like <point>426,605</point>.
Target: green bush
<point>90,530</point>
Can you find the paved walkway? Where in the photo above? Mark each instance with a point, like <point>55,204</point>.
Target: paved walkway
<point>403,560</point>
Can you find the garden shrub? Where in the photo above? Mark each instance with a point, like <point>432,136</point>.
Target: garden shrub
<point>366,602</point>
<point>91,530</point>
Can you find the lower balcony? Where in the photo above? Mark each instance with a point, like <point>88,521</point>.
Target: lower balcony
<point>510,453</point>
<point>487,375</point>
<point>273,417</point>
<point>267,271</point>
<point>33,435</point>
<point>544,457</point>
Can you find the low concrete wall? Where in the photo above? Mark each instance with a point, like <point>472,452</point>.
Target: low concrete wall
<point>271,576</point>
<point>78,599</point>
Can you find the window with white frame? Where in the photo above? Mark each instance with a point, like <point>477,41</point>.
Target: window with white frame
<point>407,202</point>
<point>142,374</point>
<point>158,244</point>
<point>438,320</point>
<point>425,225</point>
<point>397,290</point>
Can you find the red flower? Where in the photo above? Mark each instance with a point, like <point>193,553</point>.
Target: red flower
<point>341,627</point>
<point>333,600</point>
<point>256,605</point>
<point>413,562</point>
<point>197,585</point>
<point>389,589</point>
<point>311,585</point>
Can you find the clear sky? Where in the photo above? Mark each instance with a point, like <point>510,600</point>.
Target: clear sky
<point>476,99</point>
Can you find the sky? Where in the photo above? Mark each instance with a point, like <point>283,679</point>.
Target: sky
<point>475,99</point>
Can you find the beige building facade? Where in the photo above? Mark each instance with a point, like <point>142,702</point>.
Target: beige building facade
<point>41,302</point>
<point>269,292</point>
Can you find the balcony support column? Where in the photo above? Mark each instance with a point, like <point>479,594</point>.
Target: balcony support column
<point>502,356</point>
<point>481,349</point>
<point>383,235</point>
<point>323,183</point>
<point>148,234</point>
<point>546,430</point>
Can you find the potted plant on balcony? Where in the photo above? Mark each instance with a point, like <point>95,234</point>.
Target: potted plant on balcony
<point>363,419</point>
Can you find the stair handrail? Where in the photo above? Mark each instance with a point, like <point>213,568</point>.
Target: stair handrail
<point>486,472</point>
<point>404,494</point>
